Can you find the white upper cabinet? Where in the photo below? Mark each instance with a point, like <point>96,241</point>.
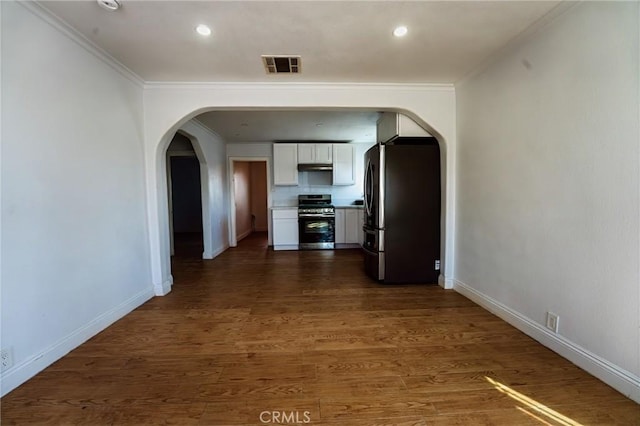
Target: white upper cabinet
<point>285,164</point>
<point>391,125</point>
<point>315,153</point>
<point>344,171</point>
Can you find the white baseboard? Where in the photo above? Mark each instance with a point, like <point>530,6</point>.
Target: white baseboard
<point>444,282</point>
<point>164,288</point>
<point>213,254</point>
<point>20,373</point>
<point>286,247</point>
<point>623,381</point>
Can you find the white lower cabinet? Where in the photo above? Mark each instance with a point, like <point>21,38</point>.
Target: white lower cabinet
<point>285,229</point>
<point>339,227</point>
<point>348,228</point>
<point>352,236</point>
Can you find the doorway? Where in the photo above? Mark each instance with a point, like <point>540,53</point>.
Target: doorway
<point>250,199</point>
<point>185,200</point>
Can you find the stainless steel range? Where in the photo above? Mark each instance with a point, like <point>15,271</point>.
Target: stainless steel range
<point>316,222</point>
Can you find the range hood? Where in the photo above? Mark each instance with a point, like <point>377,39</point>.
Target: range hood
<point>315,167</point>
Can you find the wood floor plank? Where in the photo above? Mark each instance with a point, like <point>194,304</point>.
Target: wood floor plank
<point>256,331</point>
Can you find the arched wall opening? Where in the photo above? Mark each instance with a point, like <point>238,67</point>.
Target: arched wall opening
<point>203,189</point>
<point>432,107</point>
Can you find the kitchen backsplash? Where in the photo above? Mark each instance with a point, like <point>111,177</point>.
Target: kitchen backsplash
<point>289,196</point>
<point>315,183</point>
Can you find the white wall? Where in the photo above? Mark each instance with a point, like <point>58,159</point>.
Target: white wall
<point>548,190</point>
<point>210,149</point>
<point>75,253</point>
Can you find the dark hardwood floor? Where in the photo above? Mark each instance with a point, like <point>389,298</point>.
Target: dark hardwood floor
<point>260,337</point>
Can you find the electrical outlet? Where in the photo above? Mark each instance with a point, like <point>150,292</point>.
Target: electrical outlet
<point>437,265</point>
<point>6,358</point>
<point>553,321</point>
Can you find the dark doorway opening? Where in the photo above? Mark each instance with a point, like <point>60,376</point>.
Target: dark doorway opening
<point>186,202</point>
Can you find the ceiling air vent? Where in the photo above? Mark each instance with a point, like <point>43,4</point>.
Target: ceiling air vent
<point>282,64</point>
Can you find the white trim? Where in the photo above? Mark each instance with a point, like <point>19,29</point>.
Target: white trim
<point>444,282</point>
<point>73,34</point>
<point>20,373</point>
<point>286,247</point>
<point>215,253</point>
<point>623,381</point>
<point>221,85</point>
<point>164,288</point>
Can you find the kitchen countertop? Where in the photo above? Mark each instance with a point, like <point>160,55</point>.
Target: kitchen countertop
<point>348,206</point>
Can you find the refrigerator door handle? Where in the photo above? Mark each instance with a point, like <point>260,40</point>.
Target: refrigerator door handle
<point>368,189</point>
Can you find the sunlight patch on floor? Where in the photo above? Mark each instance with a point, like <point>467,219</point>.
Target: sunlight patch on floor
<point>533,405</point>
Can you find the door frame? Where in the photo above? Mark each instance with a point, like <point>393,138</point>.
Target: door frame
<point>233,242</point>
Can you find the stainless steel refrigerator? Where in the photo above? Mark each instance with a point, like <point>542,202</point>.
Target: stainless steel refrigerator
<point>402,211</point>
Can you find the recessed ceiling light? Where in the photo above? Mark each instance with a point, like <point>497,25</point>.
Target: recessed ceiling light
<point>203,30</point>
<point>109,4</point>
<point>400,31</point>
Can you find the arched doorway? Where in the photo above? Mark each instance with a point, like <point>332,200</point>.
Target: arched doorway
<point>185,197</point>
<point>169,107</point>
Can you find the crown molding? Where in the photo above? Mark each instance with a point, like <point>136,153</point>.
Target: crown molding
<point>199,124</point>
<point>50,18</point>
<point>449,87</point>
<point>561,9</point>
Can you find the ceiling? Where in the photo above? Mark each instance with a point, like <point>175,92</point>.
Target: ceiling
<point>293,126</point>
<point>338,41</point>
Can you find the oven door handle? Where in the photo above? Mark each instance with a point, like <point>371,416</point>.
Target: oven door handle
<point>316,216</point>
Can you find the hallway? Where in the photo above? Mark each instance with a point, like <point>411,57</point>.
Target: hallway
<point>255,334</point>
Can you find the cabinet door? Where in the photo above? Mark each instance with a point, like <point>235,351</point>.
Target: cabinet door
<point>306,153</point>
<point>340,226</point>
<point>285,232</point>
<point>285,164</point>
<point>352,235</point>
<point>324,153</point>
<point>343,165</point>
